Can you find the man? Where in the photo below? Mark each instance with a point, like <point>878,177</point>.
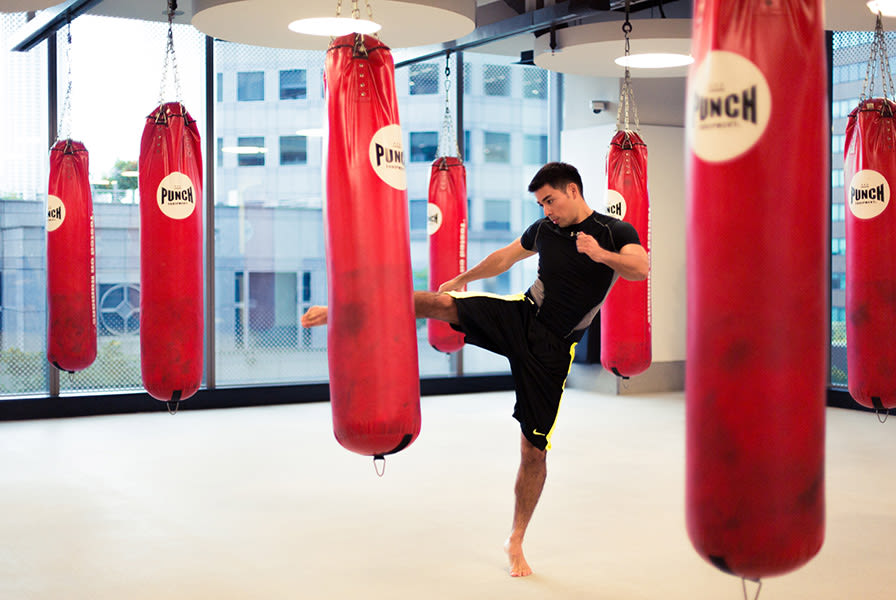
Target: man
<point>581,253</point>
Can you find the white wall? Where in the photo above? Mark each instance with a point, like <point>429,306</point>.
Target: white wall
<point>586,149</point>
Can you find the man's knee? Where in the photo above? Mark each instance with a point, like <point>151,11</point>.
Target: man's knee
<point>530,453</point>
<point>435,305</point>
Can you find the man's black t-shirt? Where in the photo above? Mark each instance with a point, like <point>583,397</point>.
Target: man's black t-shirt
<point>570,286</point>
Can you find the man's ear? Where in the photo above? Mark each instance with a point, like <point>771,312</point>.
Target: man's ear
<point>572,190</point>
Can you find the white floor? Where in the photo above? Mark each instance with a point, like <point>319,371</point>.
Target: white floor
<point>263,503</point>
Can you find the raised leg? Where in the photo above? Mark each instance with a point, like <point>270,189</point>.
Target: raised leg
<point>427,305</point>
<point>530,480</point>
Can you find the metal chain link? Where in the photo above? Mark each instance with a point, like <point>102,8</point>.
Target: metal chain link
<point>448,145</point>
<point>64,131</point>
<point>878,59</point>
<point>627,94</point>
<point>170,57</point>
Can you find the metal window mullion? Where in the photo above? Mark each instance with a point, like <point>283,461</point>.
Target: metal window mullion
<point>210,162</point>
<point>52,110</point>
<point>459,137</point>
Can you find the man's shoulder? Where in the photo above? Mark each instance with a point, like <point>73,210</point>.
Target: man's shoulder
<point>601,221</point>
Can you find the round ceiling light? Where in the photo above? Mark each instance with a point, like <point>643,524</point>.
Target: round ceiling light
<point>334,26</point>
<point>654,60</point>
<point>886,8</point>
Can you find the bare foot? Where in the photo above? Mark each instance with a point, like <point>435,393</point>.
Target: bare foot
<point>518,565</point>
<point>315,316</point>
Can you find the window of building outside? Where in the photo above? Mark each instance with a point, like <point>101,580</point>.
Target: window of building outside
<point>496,147</point>
<point>535,83</point>
<point>423,78</point>
<point>250,86</point>
<point>250,151</point>
<point>219,87</point>
<point>424,145</point>
<point>496,80</point>
<point>292,84</point>
<point>293,150</point>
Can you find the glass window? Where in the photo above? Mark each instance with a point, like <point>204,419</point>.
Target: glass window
<point>423,78</point>
<point>468,146</point>
<point>293,150</point>
<point>424,145</point>
<point>269,250</point>
<point>535,83</point>
<point>250,152</point>
<point>293,85</point>
<point>219,87</point>
<point>418,214</point>
<point>496,147</point>
<point>250,86</point>
<point>496,80</point>
<point>468,78</point>
<point>535,149</point>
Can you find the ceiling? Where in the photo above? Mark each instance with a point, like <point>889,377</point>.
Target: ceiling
<point>499,22</point>
<point>845,15</point>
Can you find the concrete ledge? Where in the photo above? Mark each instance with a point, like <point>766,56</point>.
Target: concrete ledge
<point>659,377</point>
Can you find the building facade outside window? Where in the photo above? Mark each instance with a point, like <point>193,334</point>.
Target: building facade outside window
<point>424,145</point>
<point>251,151</point>
<point>293,84</point>
<point>293,150</point>
<point>250,86</point>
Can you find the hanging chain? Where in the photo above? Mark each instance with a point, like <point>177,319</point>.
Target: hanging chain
<point>65,119</point>
<point>627,94</point>
<point>170,57</point>
<point>338,8</point>
<point>878,59</point>
<point>448,137</point>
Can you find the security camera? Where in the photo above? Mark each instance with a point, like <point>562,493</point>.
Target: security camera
<point>598,106</point>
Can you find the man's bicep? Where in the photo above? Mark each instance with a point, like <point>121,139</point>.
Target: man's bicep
<point>515,252</point>
<point>633,249</point>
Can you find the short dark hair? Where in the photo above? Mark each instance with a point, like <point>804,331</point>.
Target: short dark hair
<point>557,175</point>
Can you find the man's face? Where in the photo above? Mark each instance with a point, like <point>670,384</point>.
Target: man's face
<point>558,204</point>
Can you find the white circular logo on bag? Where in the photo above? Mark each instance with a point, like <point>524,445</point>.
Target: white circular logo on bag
<point>433,218</point>
<point>616,204</point>
<point>176,196</point>
<point>869,194</point>
<point>387,156</point>
<point>55,212</point>
<point>729,105</point>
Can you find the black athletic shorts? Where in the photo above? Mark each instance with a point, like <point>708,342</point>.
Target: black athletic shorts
<point>539,359</point>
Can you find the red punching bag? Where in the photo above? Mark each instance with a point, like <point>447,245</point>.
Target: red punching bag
<point>757,284</point>
<point>447,228</point>
<point>625,344</point>
<point>171,317</point>
<point>372,339</point>
<point>869,166</point>
<point>71,266</point>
